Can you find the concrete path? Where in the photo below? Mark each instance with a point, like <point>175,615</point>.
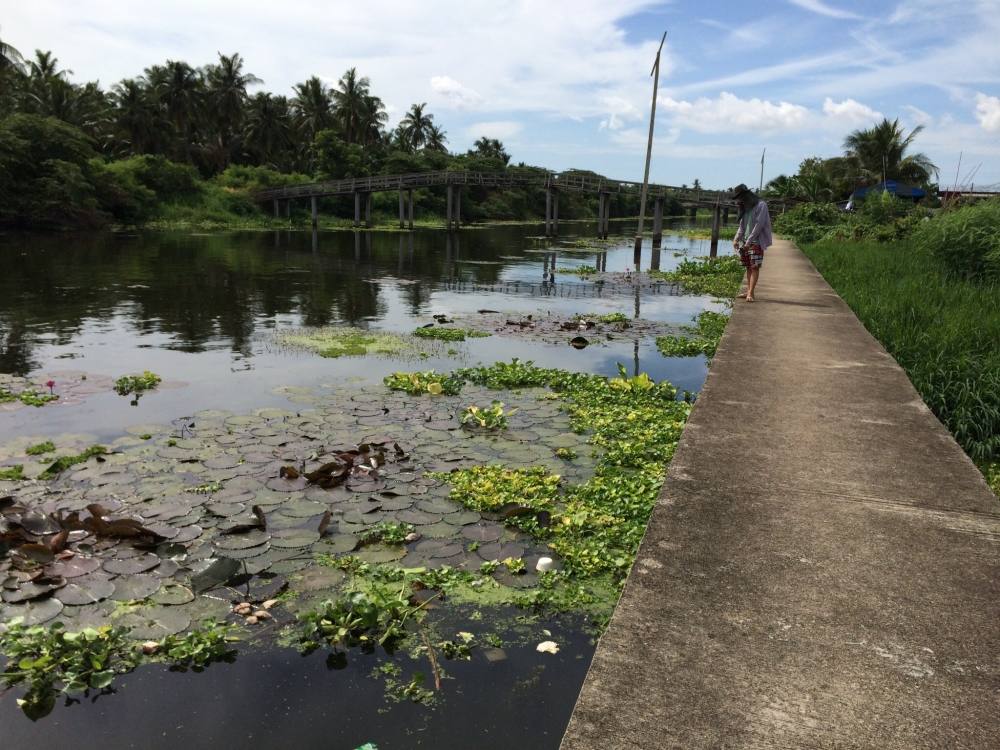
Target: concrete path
<point>822,569</point>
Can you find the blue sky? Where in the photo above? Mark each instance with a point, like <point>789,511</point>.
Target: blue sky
<point>566,84</point>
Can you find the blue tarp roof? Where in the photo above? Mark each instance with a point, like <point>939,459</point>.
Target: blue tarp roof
<point>891,186</point>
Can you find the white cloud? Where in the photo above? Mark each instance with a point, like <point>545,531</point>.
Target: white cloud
<point>620,113</point>
<point>917,116</point>
<point>454,93</point>
<point>988,112</point>
<point>496,129</point>
<point>728,112</point>
<point>850,111</point>
<point>818,6</point>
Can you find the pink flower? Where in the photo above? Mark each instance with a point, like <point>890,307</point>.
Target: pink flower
<point>51,384</point>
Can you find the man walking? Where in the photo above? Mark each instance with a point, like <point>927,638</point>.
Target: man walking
<point>753,236</point>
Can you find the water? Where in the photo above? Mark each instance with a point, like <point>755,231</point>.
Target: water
<point>201,310</point>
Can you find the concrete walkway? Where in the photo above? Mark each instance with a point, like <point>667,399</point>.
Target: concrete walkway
<point>823,567</point>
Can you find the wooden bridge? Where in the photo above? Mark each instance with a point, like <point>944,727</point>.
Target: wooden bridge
<point>552,183</point>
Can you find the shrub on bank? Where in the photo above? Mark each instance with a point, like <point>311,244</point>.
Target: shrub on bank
<point>965,240</point>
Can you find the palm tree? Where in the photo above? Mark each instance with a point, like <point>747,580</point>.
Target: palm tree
<point>416,126</point>
<point>47,88</point>
<point>782,186</point>
<point>436,140</point>
<point>880,151</point>
<point>10,59</point>
<point>373,119</point>
<point>226,95</point>
<point>268,134</point>
<point>349,97</point>
<point>491,148</point>
<point>141,126</point>
<point>313,107</point>
<point>179,88</point>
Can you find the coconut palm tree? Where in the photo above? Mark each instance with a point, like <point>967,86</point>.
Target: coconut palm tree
<point>180,90</point>
<point>492,148</point>
<point>10,59</point>
<point>226,96</point>
<point>267,137</point>
<point>373,119</point>
<point>436,140</point>
<point>313,108</point>
<point>416,125</point>
<point>141,126</point>
<point>349,98</point>
<point>880,151</point>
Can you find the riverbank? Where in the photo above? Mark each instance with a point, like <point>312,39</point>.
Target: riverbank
<point>943,331</point>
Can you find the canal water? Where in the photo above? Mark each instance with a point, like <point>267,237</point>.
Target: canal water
<point>205,312</point>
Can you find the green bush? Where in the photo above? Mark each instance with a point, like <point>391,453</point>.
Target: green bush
<point>966,240</point>
<point>168,180</point>
<point>809,221</point>
<point>251,179</point>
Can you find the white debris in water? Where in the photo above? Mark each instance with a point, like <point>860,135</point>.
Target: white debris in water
<point>547,647</point>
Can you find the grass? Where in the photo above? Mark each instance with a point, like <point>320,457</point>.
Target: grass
<point>449,334</point>
<point>942,330</point>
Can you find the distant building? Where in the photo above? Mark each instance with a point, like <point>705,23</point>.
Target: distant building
<point>899,189</point>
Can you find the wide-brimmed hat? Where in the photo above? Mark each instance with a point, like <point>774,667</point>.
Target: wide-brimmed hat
<point>738,191</point>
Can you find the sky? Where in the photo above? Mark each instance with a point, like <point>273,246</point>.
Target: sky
<point>566,84</point>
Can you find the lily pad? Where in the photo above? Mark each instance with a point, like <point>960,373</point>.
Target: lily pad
<point>217,572</point>
<point>173,594</point>
<point>135,587</point>
<point>153,623</point>
<point>73,567</point>
<point>32,613</point>
<point>89,590</point>
<point>132,565</point>
<point>242,541</point>
<point>293,538</point>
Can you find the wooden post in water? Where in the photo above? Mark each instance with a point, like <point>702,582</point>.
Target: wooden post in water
<point>458,206</point>
<point>607,214</point>
<point>713,249</point>
<point>402,211</point>
<point>409,195</point>
<point>357,209</point>
<point>725,215</point>
<point>315,211</point>
<point>655,72</point>
<point>600,214</point>
<point>548,212</point>
<point>555,213</point>
<point>694,212</point>
<point>368,210</point>
<point>447,219</point>
<point>657,222</point>
<point>276,214</point>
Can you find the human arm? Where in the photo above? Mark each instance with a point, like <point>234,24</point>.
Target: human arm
<point>739,231</point>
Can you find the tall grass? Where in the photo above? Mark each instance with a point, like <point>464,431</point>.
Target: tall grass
<point>943,330</point>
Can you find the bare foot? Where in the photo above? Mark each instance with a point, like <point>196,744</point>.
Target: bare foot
<point>742,295</point>
<point>749,298</point>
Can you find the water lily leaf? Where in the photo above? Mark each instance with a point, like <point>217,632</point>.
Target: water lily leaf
<point>33,589</point>
<point>381,553</point>
<point>39,523</point>
<point>293,538</point>
<point>482,532</point>
<point>173,594</point>
<point>337,544</point>
<point>135,587</point>
<point>291,565</point>
<point>89,590</point>
<point>303,509</point>
<point>153,623</point>
<point>319,578</point>
<point>132,565</point>
<point>216,573</point>
<point>253,538</point>
<point>73,567</point>
<point>32,613</point>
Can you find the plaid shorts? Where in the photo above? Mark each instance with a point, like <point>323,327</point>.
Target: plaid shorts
<point>752,256</point>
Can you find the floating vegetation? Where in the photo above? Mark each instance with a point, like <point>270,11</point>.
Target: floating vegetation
<point>551,329</point>
<point>448,334</point>
<point>29,397</point>
<point>14,472</point>
<point>492,417</point>
<point>583,270</point>
<point>417,383</point>
<point>65,387</point>
<point>703,337</point>
<point>333,342</point>
<point>567,454</point>
<point>64,462</point>
<point>388,532</point>
<point>136,385</point>
<point>41,448</point>
<point>718,277</point>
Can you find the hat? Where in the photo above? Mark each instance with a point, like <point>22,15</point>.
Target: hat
<point>738,191</point>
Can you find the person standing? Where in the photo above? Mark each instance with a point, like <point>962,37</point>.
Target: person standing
<point>753,236</point>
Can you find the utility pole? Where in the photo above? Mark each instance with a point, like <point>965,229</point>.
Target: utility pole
<point>655,72</point>
<point>761,186</point>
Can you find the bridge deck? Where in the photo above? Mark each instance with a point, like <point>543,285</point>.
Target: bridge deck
<point>823,567</point>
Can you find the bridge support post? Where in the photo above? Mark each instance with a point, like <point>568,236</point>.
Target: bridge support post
<point>548,212</point>
<point>288,209</point>
<point>713,249</point>
<point>402,214</point>
<point>276,214</point>
<point>694,212</point>
<point>555,213</point>
<point>368,210</point>
<point>657,223</point>
<point>725,215</point>
<point>409,196</point>
<point>357,209</point>
<point>600,215</point>
<point>450,200</point>
<point>607,215</point>
<point>315,211</point>
<point>458,206</point>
